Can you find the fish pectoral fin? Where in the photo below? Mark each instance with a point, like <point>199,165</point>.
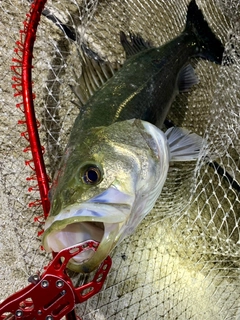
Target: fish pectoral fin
<point>187,78</point>
<point>95,72</point>
<point>183,144</point>
<point>135,45</point>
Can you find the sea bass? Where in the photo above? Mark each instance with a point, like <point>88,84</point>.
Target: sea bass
<point>117,158</point>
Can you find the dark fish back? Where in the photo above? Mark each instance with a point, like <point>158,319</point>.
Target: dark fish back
<point>148,82</point>
<point>143,89</point>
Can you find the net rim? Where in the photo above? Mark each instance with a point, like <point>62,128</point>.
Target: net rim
<point>27,44</point>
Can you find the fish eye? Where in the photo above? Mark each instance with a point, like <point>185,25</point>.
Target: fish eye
<point>91,174</point>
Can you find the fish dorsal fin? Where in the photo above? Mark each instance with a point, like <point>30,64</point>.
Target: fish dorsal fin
<point>95,72</point>
<point>187,78</point>
<point>135,45</point>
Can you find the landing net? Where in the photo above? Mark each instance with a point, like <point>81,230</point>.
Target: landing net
<point>183,260</point>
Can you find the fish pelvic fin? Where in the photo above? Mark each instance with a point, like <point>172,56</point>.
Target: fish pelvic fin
<point>135,45</point>
<point>183,144</point>
<point>209,46</point>
<point>187,78</point>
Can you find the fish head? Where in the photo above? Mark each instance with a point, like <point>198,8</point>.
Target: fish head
<point>106,184</point>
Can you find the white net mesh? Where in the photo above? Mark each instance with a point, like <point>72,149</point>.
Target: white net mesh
<point>183,260</point>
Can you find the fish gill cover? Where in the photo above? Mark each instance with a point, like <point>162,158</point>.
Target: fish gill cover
<point>183,260</point>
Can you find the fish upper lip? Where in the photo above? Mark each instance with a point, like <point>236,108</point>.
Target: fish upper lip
<point>92,212</point>
<point>105,210</point>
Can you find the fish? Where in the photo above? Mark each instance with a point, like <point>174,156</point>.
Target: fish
<point>117,158</point>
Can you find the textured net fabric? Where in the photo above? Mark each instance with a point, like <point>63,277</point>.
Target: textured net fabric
<point>183,260</point>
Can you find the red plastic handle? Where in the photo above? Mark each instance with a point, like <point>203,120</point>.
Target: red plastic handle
<point>52,295</point>
<point>51,298</point>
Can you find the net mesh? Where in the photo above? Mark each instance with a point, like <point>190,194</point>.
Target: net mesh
<point>183,260</point>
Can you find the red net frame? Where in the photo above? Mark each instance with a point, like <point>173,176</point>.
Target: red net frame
<point>22,85</point>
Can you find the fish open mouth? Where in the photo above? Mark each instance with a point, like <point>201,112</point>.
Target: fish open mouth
<point>81,222</point>
<point>76,233</point>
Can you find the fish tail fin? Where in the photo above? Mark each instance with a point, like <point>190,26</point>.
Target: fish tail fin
<point>183,144</point>
<point>209,46</point>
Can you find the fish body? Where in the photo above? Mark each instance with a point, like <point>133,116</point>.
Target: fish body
<point>116,161</point>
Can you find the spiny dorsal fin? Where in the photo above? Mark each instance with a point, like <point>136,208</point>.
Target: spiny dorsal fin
<point>95,72</point>
<point>135,45</point>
